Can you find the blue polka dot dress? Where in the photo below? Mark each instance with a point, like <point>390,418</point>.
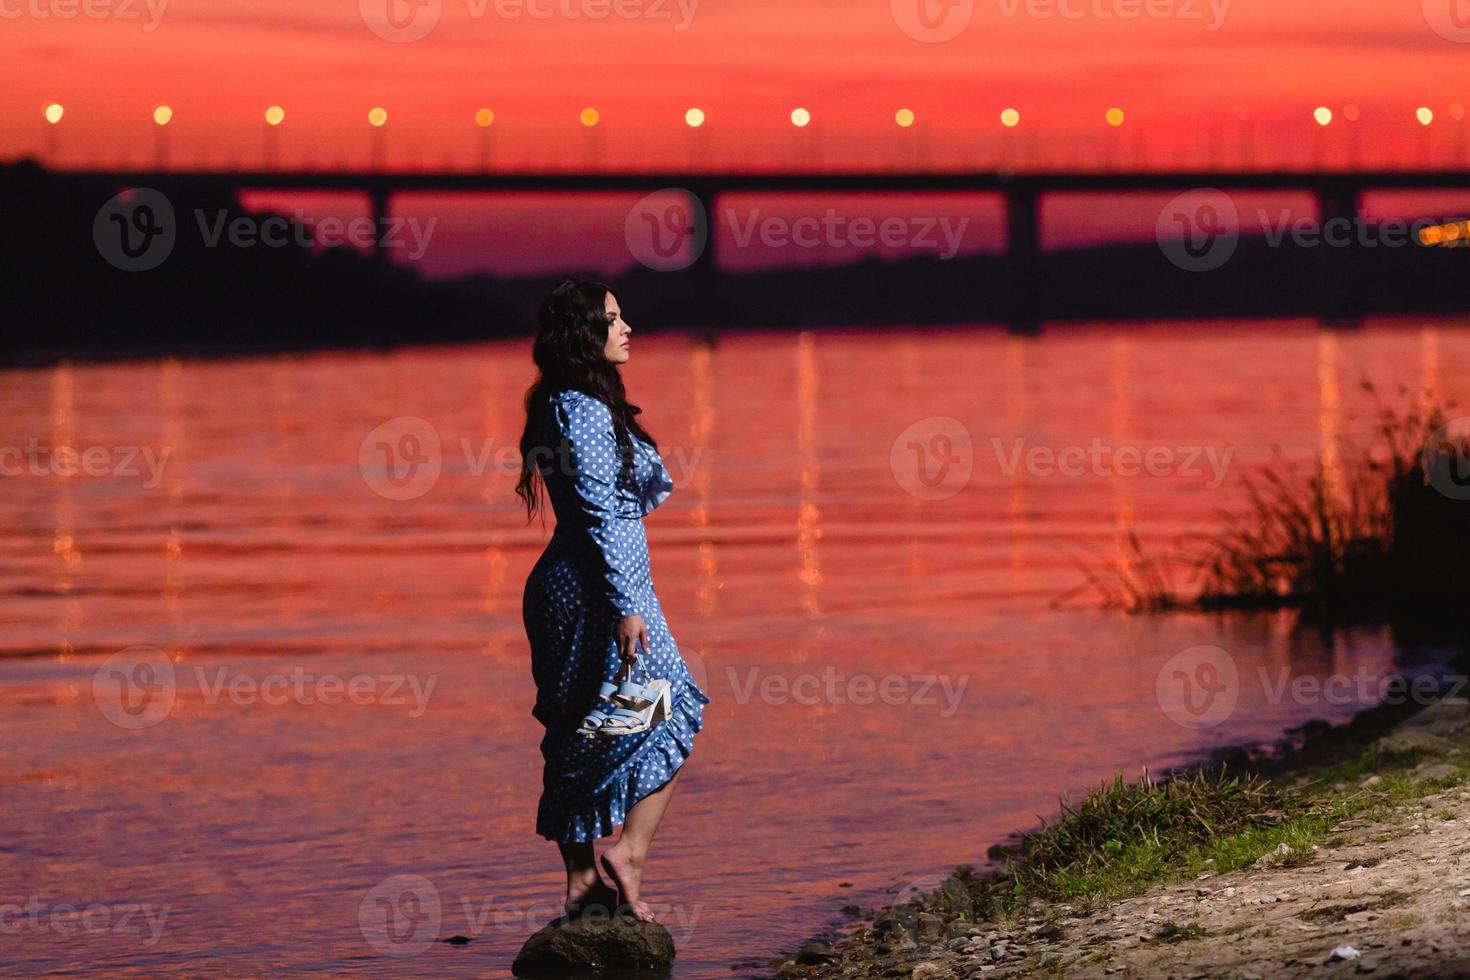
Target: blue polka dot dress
<point>595,571</point>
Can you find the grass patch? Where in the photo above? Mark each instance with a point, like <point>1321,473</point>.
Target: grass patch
<point>1364,533</point>
<point>1125,837</point>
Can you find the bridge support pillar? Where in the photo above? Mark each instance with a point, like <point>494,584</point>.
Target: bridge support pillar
<point>378,198</point>
<point>706,270</point>
<point>1023,259</point>
<point>1337,294</point>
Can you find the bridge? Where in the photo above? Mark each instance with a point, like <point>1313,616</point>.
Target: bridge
<point>1338,195</point>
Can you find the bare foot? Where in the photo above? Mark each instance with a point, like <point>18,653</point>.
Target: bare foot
<point>590,893</point>
<point>627,875</point>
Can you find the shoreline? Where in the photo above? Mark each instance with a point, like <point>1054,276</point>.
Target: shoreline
<point>1176,925</point>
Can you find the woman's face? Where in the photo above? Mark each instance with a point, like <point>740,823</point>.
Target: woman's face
<point>617,333</point>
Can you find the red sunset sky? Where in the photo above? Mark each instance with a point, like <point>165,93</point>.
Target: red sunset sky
<point>1199,80</point>
<point>1202,83</point>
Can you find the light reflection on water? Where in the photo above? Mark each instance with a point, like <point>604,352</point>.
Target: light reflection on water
<point>798,574</point>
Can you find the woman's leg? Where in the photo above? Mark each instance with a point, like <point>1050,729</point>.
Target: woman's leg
<point>624,860</point>
<point>584,885</point>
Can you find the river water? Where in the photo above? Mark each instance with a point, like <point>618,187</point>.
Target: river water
<point>266,702</point>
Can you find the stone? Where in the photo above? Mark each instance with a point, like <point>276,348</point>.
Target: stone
<point>1435,770</point>
<point>1344,953</point>
<point>1444,717</point>
<point>1405,740</point>
<point>814,953</point>
<point>592,943</point>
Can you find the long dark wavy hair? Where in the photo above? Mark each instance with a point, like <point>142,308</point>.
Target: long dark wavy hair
<point>571,340</point>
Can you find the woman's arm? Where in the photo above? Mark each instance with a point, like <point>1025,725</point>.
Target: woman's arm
<point>593,454</point>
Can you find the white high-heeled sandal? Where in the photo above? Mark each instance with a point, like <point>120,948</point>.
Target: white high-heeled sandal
<point>626,721</point>
<point>598,714</point>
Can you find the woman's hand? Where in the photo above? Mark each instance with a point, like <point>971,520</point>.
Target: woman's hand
<point>630,632</point>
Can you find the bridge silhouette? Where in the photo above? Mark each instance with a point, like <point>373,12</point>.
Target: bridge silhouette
<point>1338,195</point>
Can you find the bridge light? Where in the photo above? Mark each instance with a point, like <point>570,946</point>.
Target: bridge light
<point>1115,116</point>
<point>53,113</point>
<point>904,118</point>
<point>484,117</point>
<point>275,115</point>
<point>1457,112</point>
<point>1350,113</point>
<point>1010,118</point>
<point>694,118</point>
<point>1425,115</point>
<point>162,115</point>
<point>377,116</point>
<point>800,117</point>
<point>1323,115</point>
<point>590,117</point>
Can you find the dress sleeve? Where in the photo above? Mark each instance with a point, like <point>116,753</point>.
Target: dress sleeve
<point>586,424</point>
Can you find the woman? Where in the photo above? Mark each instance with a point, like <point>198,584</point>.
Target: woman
<point>589,603</point>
